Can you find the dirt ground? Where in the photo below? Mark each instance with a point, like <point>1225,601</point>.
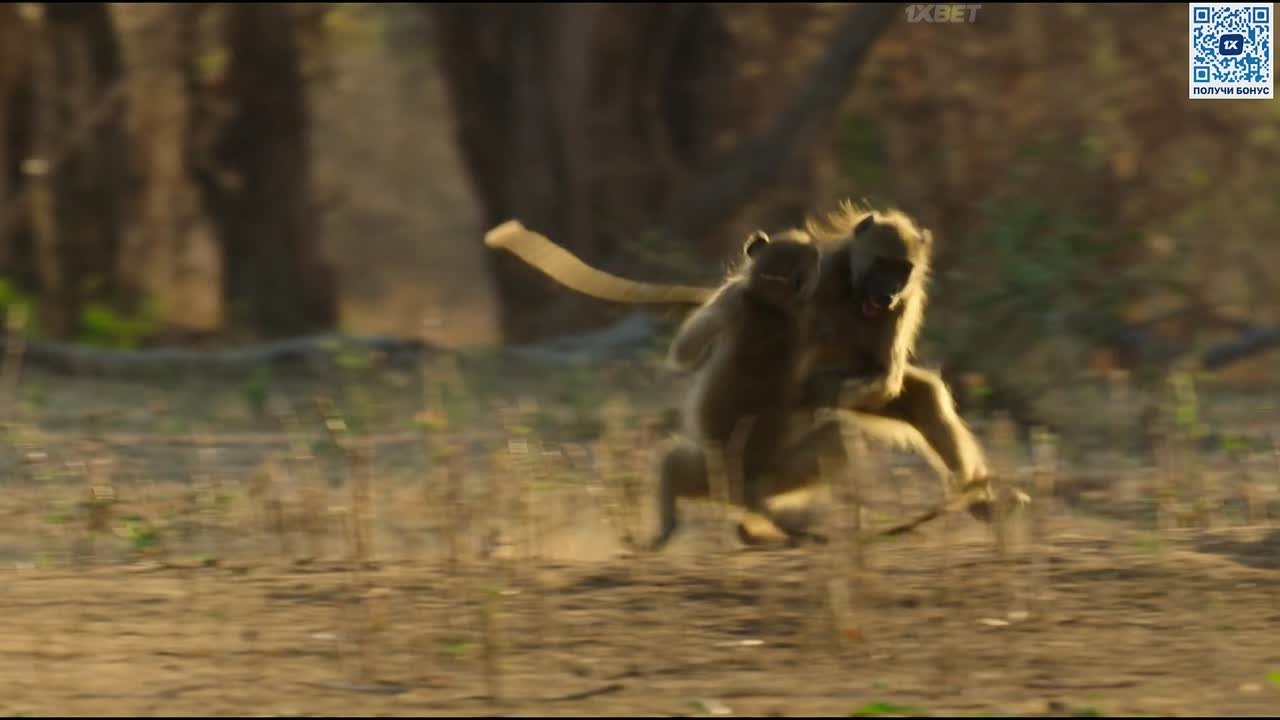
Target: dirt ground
<point>1090,623</point>
<point>193,599</point>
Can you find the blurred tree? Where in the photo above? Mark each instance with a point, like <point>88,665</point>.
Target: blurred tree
<point>1088,215</point>
<point>247,151</point>
<point>517,74</point>
<point>68,184</point>
<point>611,126</point>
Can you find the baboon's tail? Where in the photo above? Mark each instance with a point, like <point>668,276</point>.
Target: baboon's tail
<point>955,504</point>
<point>568,270</point>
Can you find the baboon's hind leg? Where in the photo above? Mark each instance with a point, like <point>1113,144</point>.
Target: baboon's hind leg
<point>682,473</point>
<point>799,467</point>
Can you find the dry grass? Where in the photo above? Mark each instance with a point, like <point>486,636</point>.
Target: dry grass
<point>448,542</point>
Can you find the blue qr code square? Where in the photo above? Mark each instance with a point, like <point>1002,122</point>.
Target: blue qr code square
<point>1231,50</point>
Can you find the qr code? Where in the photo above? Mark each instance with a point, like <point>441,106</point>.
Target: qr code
<point>1231,53</point>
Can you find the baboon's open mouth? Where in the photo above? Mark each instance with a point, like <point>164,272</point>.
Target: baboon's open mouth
<point>873,309</point>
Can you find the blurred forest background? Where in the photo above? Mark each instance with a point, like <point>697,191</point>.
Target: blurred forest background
<point>204,174</point>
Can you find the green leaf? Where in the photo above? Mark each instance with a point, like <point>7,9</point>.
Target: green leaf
<point>880,709</point>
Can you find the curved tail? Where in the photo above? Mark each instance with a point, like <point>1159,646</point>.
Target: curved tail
<point>568,270</point>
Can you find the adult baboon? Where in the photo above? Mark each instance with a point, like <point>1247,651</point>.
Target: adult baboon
<point>867,316</point>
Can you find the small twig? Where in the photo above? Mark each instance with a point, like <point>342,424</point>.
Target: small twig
<point>587,694</point>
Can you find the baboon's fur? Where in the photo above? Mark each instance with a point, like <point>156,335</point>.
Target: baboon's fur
<point>863,355</point>
<point>747,345</point>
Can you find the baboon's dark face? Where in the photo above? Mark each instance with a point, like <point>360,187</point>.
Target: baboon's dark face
<point>883,264</point>
<point>884,286</point>
<point>783,272</point>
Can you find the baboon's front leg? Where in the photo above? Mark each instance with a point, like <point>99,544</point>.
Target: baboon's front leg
<point>926,403</point>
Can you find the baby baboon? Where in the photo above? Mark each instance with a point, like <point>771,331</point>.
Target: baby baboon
<point>747,345</point>
<point>746,330</point>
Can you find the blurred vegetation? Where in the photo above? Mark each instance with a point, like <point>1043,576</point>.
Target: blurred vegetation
<point>1091,219</point>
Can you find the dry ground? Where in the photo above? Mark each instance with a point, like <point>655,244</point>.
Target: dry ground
<point>189,601</point>
<point>1110,626</point>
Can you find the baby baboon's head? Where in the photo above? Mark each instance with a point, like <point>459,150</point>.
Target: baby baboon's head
<point>783,271</point>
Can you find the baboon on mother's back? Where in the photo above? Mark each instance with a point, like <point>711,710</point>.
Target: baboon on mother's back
<point>746,346</point>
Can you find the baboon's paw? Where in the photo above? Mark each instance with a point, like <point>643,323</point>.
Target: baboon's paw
<point>1008,501</point>
<point>1018,499</point>
<point>798,539</point>
<point>981,510</point>
<point>786,539</point>
<point>751,538</point>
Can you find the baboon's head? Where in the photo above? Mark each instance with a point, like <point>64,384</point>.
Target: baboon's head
<point>888,256</point>
<point>782,271</point>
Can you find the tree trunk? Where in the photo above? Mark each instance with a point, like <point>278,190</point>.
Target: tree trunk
<point>16,47</point>
<point>536,135</point>
<point>518,80</point>
<point>711,198</point>
<point>248,153</point>
<point>67,164</point>
<point>95,187</point>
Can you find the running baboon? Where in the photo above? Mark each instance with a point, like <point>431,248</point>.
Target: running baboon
<point>867,314</point>
<point>869,307</point>
<point>747,345</point>
<point>811,451</point>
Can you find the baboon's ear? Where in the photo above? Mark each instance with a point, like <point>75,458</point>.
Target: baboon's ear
<point>757,240</point>
<point>864,224</point>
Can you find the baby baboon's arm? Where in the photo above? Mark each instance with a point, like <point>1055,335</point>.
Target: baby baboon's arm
<point>839,387</point>
<point>700,330</point>
<point>869,383</point>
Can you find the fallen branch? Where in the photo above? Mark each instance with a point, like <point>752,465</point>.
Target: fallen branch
<point>1249,344</point>
<point>321,352</point>
<point>76,359</point>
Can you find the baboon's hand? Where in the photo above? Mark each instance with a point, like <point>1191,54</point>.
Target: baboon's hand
<point>864,393</point>
<point>983,508</point>
<point>823,387</point>
<point>834,389</point>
